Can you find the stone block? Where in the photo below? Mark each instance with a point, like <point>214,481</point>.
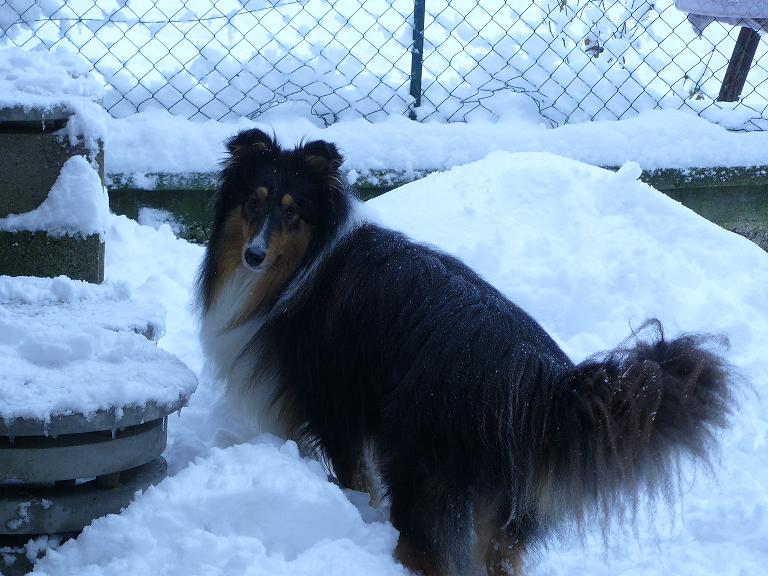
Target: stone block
<point>33,155</point>
<point>38,254</point>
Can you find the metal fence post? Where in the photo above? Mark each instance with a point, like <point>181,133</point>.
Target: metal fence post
<point>417,54</point>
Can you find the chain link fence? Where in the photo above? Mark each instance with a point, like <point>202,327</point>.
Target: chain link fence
<point>461,60</point>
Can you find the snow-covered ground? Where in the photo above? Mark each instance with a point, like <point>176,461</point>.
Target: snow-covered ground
<point>590,254</point>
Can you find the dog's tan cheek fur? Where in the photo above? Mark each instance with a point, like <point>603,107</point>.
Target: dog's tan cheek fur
<point>284,255</point>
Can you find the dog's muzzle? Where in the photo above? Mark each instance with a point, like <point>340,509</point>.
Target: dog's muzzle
<point>254,256</point>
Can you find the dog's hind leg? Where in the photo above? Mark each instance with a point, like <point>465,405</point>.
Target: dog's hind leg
<point>347,461</point>
<point>496,547</point>
<point>353,469</point>
<point>505,556</point>
<point>435,525</point>
<point>411,556</point>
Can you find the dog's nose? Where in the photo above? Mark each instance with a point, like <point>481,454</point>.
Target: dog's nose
<point>254,256</point>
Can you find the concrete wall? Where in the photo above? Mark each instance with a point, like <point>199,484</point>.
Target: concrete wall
<point>735,198</point>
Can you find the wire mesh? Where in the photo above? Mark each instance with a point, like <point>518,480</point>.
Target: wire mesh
<point>577,59</point>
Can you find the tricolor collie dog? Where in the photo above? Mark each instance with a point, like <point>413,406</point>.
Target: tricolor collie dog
<point>403,369</point>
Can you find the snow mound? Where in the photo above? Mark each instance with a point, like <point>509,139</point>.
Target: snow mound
<point>253,510</point>
<point>76,204</point>
<point>587,251</point>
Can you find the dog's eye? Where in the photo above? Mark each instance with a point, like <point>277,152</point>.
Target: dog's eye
<point>251,204</point>
<point>290,211</point>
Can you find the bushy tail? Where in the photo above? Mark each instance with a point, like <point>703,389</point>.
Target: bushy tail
<point>618,421</point>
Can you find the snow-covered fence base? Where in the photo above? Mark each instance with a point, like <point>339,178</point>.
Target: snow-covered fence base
<point>41,219</point>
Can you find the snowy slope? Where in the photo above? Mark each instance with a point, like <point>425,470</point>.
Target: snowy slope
<point>589,253</point>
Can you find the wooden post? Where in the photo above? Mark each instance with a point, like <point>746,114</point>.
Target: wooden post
<point>739,64</point>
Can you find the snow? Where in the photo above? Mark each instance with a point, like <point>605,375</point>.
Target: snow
<point>155,217</point>
<point>53,371</point>
<point>726,8</point>
<point>64,301</point>
<point>78,184</point>
<point>46,79</point>
<point>47,83</point>
<point>577,60</point>
<point>149,142</point>
<point>254,509</point>
<point>67,346</point>
<point>589,253</point>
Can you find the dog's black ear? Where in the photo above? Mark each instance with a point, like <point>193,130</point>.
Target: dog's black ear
<point>250,139</point>
<point>323,157</point>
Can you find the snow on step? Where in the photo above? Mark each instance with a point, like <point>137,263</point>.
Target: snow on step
<point>67,346</point>
<point>63,302</point>
<point>52,81</point>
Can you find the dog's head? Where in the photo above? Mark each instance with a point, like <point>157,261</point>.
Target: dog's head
<point>275,209</point>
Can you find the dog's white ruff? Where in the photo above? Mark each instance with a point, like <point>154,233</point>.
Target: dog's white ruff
<point>234,353</point>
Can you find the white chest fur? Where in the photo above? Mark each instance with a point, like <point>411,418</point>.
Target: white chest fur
<point>236,356</point>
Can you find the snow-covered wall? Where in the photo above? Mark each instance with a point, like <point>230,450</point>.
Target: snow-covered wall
<point>157,142</point>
